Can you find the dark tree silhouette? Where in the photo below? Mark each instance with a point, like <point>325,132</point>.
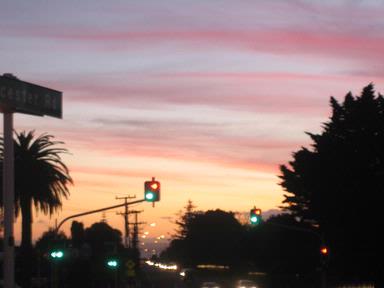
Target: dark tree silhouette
<point>102,237</point>
<point>77,234</point>
<point>338,182</point>
<point>41,180</point>
<point>105,242</point>
<point>284,249</point>
<point>184,219</point>
<point>210,237</point>
<point>41,259</point>
<point>49,238</point>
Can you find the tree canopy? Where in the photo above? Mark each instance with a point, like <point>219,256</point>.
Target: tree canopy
<point>210,237</point>
<point>339,179</point>
<point>41,177</point>
<point>102,237</point>
<point>41,180</point>
<point>184,220</point>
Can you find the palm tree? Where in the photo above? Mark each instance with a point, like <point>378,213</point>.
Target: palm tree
<point>41,178</point>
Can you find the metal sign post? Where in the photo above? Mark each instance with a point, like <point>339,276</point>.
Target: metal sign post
<point>22,97</point>
<point>8,200</point>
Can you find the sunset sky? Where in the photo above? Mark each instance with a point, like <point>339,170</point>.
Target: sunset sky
<point>207,96</point>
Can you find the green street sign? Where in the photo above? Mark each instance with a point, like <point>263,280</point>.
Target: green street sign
<point>23,97</point>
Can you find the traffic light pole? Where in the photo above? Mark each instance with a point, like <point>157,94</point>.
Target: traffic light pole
<point>54,278</point>
<point>96,211</point>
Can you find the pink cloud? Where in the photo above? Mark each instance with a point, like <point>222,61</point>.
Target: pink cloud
<point>280,92</point>
<point>297,41</point>
<point>183,143</point>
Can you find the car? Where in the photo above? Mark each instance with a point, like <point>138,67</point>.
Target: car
<point>245,284</point>
<point>209,285</point>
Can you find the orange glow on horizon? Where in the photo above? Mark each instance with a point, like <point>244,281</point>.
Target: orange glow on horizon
<point>182,181</point>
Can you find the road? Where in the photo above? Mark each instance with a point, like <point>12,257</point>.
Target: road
<point>157,278</point>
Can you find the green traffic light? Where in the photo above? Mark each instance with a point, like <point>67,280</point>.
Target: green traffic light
<point>254,219</point>
<point>149,196</point>
<point>112,263</point>
<point>57,254</point>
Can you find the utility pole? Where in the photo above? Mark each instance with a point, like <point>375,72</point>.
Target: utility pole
<point>103,217</point>
<point>135,234</point>
<point>125,214</point>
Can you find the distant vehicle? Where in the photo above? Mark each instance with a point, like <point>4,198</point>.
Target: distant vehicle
<point>245,284</point>
<point>188,275</point>
<point>209,285</point>
<point>185,273</point>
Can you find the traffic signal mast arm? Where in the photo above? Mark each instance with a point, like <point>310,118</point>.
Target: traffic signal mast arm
<point>323,248</point>
<point>255,219</point>
<point>96,211</point>
<point>298,229</point>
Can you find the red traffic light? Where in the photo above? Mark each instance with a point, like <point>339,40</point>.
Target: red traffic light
<point>152,190</point>
<point>154,185</point>
<point>324,250</point>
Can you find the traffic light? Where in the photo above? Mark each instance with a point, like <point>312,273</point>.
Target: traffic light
<point>324,251</point>
<point>324,254</point>
<point>255,216</point>
<point>152,190</point>
<point>112,263</point>
<point>57,254</point>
